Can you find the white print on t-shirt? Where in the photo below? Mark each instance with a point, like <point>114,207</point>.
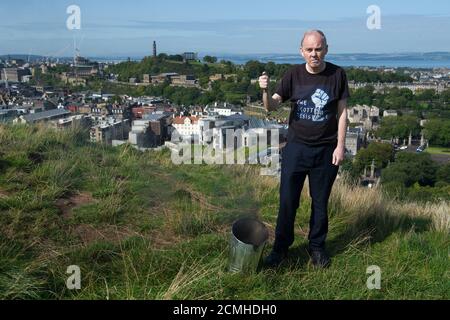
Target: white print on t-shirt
<point>313,111</point>
<point>320,99</point>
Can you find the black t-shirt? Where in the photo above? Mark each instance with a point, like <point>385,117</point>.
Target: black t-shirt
<point>314,100</point>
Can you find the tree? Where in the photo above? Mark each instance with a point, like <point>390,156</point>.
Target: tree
<point>437,131</point>
<point>205,69</point>
<point>400,127</point>
<point>210,59</point>
<point>427,95</point>
<point>207,97</point>
<point>254,92</point>
<point>443,173</point>
<point>360,75</point>
<point>162,56</point>
<point>410,168</point>
<point>363,95</point>
<point>351,171</point>
<point>203,81</point>
<point>381,153</point>
<point>254,68</point>
<point>175,57</point>
<point>271,68</point>
<point>445,98</point>
<point>117,99</point>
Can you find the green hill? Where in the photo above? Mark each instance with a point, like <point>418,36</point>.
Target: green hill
<point>140,227</point>
<point>150,65</point>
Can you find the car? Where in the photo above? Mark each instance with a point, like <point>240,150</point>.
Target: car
<point>421,148</point>
<point>403,147</point>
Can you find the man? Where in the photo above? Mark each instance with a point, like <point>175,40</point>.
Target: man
<point>315,145</point>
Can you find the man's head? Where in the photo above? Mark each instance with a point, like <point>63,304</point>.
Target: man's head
<point>314,48</point>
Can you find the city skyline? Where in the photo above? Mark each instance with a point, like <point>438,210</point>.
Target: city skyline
<point>115,29</point>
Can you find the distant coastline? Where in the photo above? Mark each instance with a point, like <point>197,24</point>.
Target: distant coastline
<point>393,60</point>
<point>410,60</point>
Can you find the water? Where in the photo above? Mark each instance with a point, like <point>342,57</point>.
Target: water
<point>347,61</point>
<point>432,60</point>
<point>393,64</point>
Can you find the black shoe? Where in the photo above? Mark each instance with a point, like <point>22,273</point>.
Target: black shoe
<point>274,259</point>
<point>319,258</point>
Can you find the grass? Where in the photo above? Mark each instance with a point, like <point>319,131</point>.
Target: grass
<point>140,227</point>
<point>280,113</point>
<point>438,150</point>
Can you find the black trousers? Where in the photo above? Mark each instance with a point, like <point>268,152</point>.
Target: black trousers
<point>298,161</point>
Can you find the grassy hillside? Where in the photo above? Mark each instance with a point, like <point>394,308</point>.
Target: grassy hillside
<point>140,227</point>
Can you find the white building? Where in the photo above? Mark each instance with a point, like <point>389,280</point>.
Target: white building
<point>223,109</point>
<point>390,113</point>
<point>186,126</point>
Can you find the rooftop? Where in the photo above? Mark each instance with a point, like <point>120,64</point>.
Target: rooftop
<point>32,117</point>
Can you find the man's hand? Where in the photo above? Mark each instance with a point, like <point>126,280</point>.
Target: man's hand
<point>338,155</point>
<point>270,102</point>
<point>264,81</point>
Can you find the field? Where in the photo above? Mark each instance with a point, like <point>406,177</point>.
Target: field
<point>140,227</point>
<point>438,150</point>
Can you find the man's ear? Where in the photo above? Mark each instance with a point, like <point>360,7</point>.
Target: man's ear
<point>301,52</point>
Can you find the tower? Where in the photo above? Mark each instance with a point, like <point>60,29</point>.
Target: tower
<point>6,81</point>
<point>372,169</point>
<point>154,49</point>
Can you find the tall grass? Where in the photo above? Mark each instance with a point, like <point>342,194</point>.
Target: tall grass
<point>154,230</point>
<point>372,204</point>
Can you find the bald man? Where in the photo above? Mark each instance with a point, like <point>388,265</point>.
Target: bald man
<point>317,92</point>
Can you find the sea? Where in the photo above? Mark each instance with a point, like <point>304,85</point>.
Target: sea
<point>349,60</point>
<point>417,61</point>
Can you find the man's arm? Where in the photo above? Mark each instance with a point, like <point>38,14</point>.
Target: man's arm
<point>339,152</point>
<point>270,102</point>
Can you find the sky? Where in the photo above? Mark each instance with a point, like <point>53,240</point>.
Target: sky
<point>128,28</point>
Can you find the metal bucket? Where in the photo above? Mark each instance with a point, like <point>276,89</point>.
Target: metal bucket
<point>248,237</point>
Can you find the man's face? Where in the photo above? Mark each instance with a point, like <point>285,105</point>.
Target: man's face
<point>313,50</point>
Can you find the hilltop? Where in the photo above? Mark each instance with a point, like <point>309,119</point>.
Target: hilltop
<point>141,227</point>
